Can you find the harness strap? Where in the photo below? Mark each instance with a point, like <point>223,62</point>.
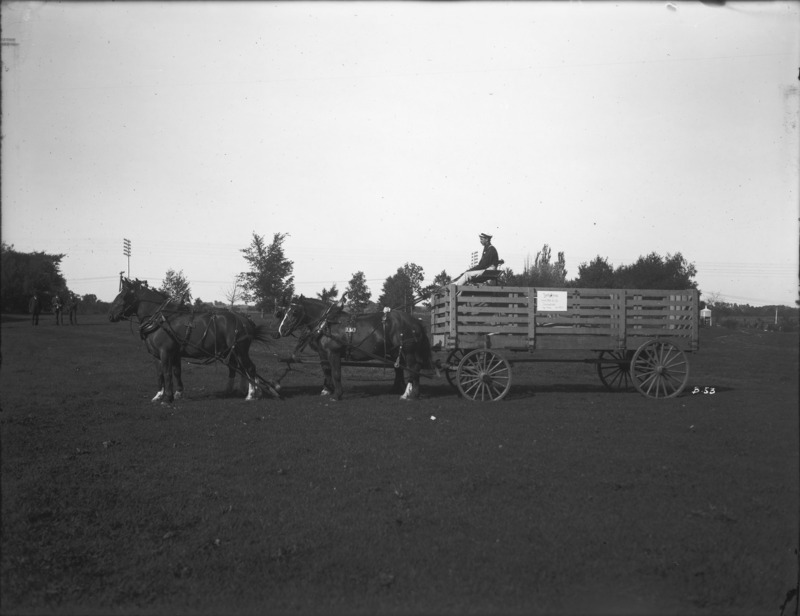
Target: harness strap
<point>189,328</point>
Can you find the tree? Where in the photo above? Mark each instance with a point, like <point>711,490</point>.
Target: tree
<point>176,286</point>
<point>542,272</point>
<point>358,294</point>
<point>328,295</point>
<point>714,298</point>
<point>89,300</point>
<point>597,274</point>
<point>441,280</point>
<point>234,292</point>
<point>399,290</point>
<point>270,281</point>
<point>656,272</point>
<point>24,274</point>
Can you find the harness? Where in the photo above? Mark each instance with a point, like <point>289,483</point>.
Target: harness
<point>321,328</point>
<point>160,319</point>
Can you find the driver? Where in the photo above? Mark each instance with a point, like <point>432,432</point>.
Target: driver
<point>489,259</point>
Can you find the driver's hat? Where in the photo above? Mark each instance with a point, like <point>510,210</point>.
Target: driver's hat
<point>485,236</point>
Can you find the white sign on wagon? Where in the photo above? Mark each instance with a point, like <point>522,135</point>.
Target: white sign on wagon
<point>551,301</point>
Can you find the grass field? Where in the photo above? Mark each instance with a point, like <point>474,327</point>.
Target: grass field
<point>561,499</point>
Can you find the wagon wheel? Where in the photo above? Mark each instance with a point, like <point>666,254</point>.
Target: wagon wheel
<point>659,369</point>
<point>614,369</point>
<point>483,375</point>
<point>453,359</point>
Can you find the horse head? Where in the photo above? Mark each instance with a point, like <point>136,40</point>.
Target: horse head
<point>292,317</point>
<point>126,303</point>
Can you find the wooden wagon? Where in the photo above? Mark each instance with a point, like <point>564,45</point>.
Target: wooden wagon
<point>637,338</point>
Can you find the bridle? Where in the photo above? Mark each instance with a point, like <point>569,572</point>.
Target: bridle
<point>297,313</point>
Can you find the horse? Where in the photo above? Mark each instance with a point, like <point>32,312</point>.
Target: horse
<point>172,330</point>
<point>392,337</point>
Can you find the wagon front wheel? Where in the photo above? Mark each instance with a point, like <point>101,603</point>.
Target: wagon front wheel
<point>451,365</point>
<point>483,375</point>
<point>659,370</point>
<point>614,369</point>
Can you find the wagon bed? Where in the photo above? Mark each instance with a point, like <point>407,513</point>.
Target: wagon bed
<point>640,338</point>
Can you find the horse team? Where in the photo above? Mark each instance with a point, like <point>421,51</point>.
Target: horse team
<point>171,331</point>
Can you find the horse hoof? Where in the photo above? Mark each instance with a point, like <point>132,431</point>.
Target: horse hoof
<point>178,395</point>
<point>324,392</point>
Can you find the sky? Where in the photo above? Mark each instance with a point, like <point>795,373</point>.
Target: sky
<point>377,134</point>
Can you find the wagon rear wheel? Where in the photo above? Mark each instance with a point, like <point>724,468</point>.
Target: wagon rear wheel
<point>659,369</point>
<point>614,369</point>
<point>483,375</point>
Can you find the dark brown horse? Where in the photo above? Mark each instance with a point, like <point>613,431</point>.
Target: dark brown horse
<point>172,330</point>
<point>392,338</point>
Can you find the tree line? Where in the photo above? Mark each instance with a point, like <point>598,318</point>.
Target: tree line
<point>268,280</point>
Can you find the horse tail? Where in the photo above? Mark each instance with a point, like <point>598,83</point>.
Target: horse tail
<point>262,333</point>
<point>257,333</point>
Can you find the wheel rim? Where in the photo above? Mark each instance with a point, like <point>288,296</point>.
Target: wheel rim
<point>453,359</point>
<point>614,370</point>
<point>659,370</point>
<point>483,375</point>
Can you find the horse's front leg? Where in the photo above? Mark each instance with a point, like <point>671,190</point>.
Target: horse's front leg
<point>336,375</point>
<point>166,395</point>
<point>231,380</point>
<point>399,381</point>
<point>176,372</point>
<point>412,381</point>
<point>160,394</point>
<point>327,382</point>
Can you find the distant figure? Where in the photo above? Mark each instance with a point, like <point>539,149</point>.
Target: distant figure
<point>72,310</point>
<point>57,308</point>
<point>35,308</point>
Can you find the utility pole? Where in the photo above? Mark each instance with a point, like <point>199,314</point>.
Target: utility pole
<point>126,250</point>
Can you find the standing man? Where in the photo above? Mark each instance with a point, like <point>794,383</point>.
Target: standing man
<point>57,310</point>
<point>72,309</point>
<point>35,308</point>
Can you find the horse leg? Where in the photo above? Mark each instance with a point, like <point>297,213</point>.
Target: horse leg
<point>249,372</point>
<point>176,372</point>
<point>336,375</point>
<point>327,383</point>
<point>231,380</point>
<point>160,394</point>
<point>167,365</point>
<point>399,381</point>
<point>412,380</point>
